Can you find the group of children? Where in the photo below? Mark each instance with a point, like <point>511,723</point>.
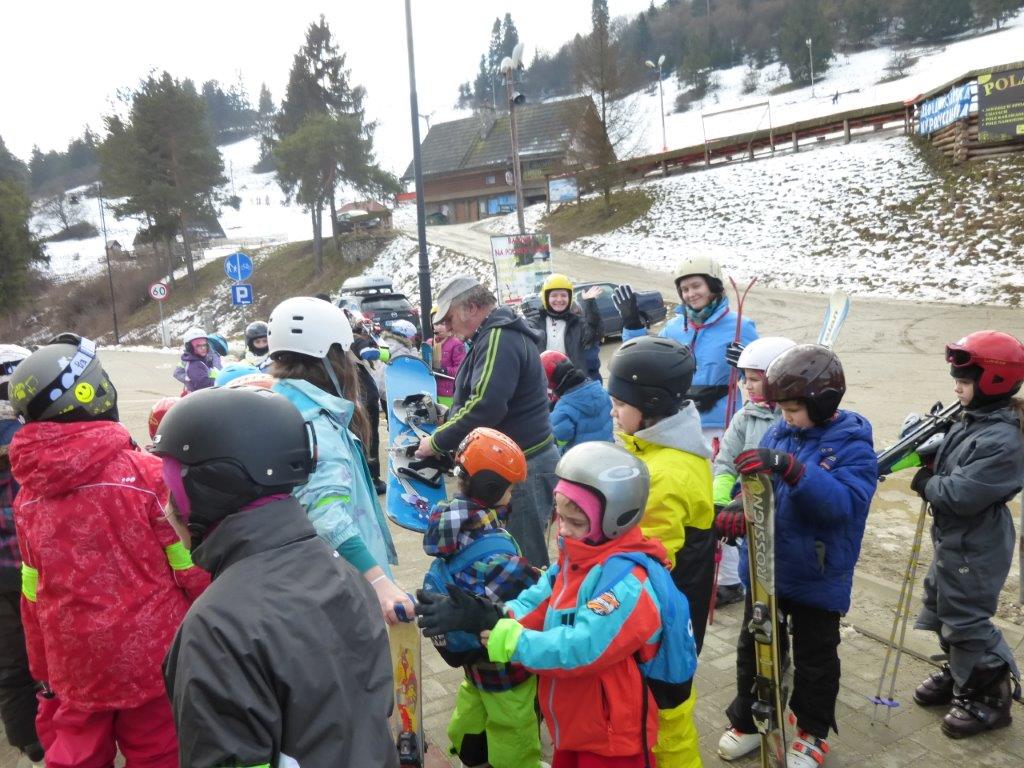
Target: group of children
<point>283,659</point>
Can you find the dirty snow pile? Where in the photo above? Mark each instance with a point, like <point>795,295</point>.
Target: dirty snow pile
<point>871,217</point>
<point>400,261</point>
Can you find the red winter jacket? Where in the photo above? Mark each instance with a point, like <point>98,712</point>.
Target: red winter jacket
<point>106,581</point>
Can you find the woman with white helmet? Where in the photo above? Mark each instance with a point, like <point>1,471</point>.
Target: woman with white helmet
<point>310,356</point>
<point>706,324</point>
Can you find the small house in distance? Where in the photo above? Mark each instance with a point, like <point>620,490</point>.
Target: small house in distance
<point>467,163</point>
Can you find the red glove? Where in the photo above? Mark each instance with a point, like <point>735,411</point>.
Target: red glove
<point>730,523</point>
<point>759,460</point>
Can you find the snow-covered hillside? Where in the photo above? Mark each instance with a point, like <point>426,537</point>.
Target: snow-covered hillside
<point>871,217</point>
<point>262,218</point>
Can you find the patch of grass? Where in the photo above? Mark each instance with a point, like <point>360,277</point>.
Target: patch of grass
<point>594,217</point>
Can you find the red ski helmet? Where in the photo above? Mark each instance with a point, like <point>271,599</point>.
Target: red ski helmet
<point>158,411</point>
<point>808,372</point>
<point>550,360</point>
<point>993,359</point>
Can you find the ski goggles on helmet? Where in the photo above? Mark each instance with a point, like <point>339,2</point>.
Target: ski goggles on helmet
<point>961,357</point>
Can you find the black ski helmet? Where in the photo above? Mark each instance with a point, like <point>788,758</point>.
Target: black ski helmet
<point>254,331</point>
<point>808,372</point>
<point>652,374</point>
<point>63,381</point>
<point>230,447</point>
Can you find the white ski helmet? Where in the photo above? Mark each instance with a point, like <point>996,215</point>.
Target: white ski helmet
<point>308,326</point>
<point>700,264</point>
<point>193,333</point>
<point>405,329</point>
<point>759,353</point>
<point>10,356</point>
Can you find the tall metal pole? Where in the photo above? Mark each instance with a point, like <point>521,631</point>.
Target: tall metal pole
<point>517,173</point>
<point>426,300</point>
<point>661,96</point>
<point>810,54</point>
<point>110,274</point>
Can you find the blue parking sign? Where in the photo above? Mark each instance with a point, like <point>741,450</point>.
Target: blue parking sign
<point>238,266</point>
<point>241,294</point>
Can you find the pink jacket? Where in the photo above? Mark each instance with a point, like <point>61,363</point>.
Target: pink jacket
<point>453,352</point>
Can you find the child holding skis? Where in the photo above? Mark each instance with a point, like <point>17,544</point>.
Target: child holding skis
<point>648,378</point>
<point>105,579</point>
<point>494,721</point>
<point>584,645</point>
<point>582,410</point>
<point>824,473</point>
<point>978,468</point>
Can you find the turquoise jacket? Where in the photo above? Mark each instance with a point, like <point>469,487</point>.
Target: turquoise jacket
<point>339,498</point>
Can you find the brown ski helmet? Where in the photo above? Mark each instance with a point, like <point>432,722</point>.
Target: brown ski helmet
<point>808,372</point>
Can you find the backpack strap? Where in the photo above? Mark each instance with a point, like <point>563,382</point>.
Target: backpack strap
<point>619,566</point>
<point>481,548</point>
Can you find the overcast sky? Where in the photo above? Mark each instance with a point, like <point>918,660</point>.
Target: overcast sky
<point>61,63</point>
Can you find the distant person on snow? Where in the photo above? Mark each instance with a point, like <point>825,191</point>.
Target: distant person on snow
<point>105,581</point>
<point>199,362</point>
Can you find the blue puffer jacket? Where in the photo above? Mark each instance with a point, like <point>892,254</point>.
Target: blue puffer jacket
<point>339,498</point>
<point>819,522</point>
<point>581,415</point>
<point>708,341</point>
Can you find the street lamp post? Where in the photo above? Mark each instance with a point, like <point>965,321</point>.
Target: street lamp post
<point>110,274</point>
<point>810,54</point>
<point>508,66</point>
<point>421,225</point>
<point>661,98</point>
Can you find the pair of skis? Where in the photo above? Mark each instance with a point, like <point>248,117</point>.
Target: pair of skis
<point>768,710</point>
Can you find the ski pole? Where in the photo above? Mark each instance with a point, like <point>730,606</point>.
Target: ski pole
<point>734,375</point>
<point>899,623</point>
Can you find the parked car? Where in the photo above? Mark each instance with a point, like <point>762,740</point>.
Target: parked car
<point>651,305</point>
<point>377,300</point>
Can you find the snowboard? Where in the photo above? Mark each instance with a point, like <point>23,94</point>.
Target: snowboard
<point>409,386</point>
<point>407,716</point>
<point>835,315</point>
<point>769,707</point>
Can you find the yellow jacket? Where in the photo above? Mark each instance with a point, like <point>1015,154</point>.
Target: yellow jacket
<point>678,458</point>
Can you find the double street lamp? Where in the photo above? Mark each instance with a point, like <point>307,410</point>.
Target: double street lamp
<point>508,67</point>
<point>661,96</point>
<point>810,54</point>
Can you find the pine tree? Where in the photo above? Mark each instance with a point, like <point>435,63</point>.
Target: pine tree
<point>266,112</point>
<point>18,247</point>
<point>805,20</point>
<point>11,168</point>
<point>934,19</point>
<point>994,11</point>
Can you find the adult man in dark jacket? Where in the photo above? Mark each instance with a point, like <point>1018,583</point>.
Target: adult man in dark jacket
<point>284,659</point>
<point>501,384</point>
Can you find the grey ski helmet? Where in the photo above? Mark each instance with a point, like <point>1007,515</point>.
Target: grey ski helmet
<point>619,478</point>
<point>62,381</point>
<point>652,374</point>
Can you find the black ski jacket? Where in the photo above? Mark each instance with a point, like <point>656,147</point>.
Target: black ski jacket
<point>501,385</point>
<point>581,332</point>
<point>284,656</point>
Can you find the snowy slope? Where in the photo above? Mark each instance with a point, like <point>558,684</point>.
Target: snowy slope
<point>870,217</point>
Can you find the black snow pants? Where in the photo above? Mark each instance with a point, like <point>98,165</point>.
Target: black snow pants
<point>815,668</point>
<point>694,576</point>
<point>371,402</point>
<point>17,688</point>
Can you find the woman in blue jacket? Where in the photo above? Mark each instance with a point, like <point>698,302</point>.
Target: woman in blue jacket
<point>705,323</point>
<point>824,473</point>
<point>309,352</point>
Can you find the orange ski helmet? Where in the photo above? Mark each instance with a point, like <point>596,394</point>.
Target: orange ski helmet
<point>491,462</point>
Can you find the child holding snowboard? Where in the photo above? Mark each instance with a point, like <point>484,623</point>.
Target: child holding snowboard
<point>824,473</point>
<point>585,644</point>
<point>582,410</point>
<point>494,722</point>
<point>648,379</point>
<point>978,468</point>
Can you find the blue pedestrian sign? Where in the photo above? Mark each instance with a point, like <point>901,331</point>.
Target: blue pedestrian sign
<point>238,266</point>
<point>241,294</point>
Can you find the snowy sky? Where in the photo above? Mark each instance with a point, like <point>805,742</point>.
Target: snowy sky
<point>62,62</point>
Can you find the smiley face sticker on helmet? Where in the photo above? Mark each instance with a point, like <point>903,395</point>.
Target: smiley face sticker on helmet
<point>84,392</point>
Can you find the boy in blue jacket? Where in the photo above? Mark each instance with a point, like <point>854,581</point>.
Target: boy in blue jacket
<point>824,474</point>
<point>582,409</point>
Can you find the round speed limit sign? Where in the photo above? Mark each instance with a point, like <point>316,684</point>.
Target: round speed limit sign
<point>158,291</point>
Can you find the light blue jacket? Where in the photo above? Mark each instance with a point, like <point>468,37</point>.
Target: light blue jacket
<point>708,342</point>
<point>339,498</point>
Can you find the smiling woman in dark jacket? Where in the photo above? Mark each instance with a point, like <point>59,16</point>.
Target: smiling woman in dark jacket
<point>561,329</point>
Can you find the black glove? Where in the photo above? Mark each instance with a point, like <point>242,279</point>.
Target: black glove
<point>921,478</point>
<point>783,464</point>
<point>732,353</point>
<point>625,302</point>
<point>459,610</point>
<point>706,397</point>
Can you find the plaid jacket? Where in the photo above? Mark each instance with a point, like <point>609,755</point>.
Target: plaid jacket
<point>453,526</point>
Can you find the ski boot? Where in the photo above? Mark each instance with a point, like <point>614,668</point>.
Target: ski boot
<point>734,744</point>
<point>983,704</point>
<point>806,751</point>
<point>936,689</point>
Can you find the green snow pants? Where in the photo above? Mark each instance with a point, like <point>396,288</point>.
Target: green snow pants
<point>507,721</point>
